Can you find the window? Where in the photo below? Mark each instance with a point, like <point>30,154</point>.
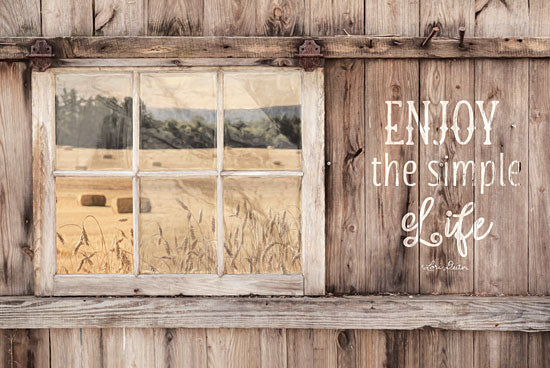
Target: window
<point>178,181</point>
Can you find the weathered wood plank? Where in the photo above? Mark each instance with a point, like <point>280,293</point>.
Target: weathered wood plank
<point>329,18</point>
<point>128,347</point>
<point>501,349</point>
<point>280,18</point>
<point>504,253</point>
<point>539,350</point>
<point>280,47</point>
<point>25,348</point>
<point>119,17</point>
<point>67,18</point>
<point>309,348</point>
<point>392,267</point>
<point>16,276</point>
<point>175,17</point>
<point>345,177</point>
<point>395,17</point>
<point>20,18</point>
<point>388,349</point>
<point>180,347</point>
<point>539,156</point>
<point>229,18</point>
<point>450,349</point>
<point>273,348</point>
<point>446,81</point>
<point>236,347</point>
<point>449,16</point>
<point>376,312</point>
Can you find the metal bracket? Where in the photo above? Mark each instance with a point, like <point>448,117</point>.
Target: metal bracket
<point>309,55</point>
<point>40,55</point>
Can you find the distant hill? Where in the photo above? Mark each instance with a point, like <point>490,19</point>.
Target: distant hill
<point>245,115</point>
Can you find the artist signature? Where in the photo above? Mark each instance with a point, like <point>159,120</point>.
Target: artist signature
<point>450,266</point>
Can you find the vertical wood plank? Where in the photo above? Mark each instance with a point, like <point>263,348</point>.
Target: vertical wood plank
<point>389,349</point>
<point>501,264</point>
<point>229,18</point>
<point>273,348</point>
<point>392,267</point>
<point>448,15</point>
<point>25,348</point>
<point>501,349</point>
<point>449,349</point>
<point>539,157</point>
<point>325,354</point>
<point>233,348</point>
<point>392,17</point>
<point>18,347</point>
<point>128,347</point>
<point>120,18</point>
<point>504,253</point>
<point>175,17</point>
<point>67,18</point>
<point>16,273</point>
<point>19,18</point>
<point>300,348</point>
<point>345,180</point>
<point>65,347</point>
<point>313,193</point>
<point>330,18</point>
<point>539,350</point>
<point>180,347</point>
<point>452,81</point>
<point>280,18</point>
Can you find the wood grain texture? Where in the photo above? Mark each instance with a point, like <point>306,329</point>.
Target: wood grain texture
<point>273,348</point>
<point>497,349</point>
<point>25,348</point>
<point>175,17</point>
<point>450,349</point>
<point>330,18</point>
<point>451,81</point>
<point>448,15</point>
<point>311,348</point>
<point>67,18</point>
<point>120,17</point>
<point>388,349</point>
<point>345,177</point>
<point>539,350</point>
<point>376,312</point>
<point>539,157</point>
<point>239,348</point>
<point>16,252</point>
<point>392,266</point>
<point>313,188</point>
<point>504,252</point>
<point>229,18</point>
<point>19,18</point>
<point>392,17</point>
<point>280,18</point>
<point>333,47</point>
<point>180,347</point>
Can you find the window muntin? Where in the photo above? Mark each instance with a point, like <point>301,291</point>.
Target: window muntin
<point>152,249</point>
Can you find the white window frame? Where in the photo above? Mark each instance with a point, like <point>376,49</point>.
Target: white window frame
<point>48,283</point>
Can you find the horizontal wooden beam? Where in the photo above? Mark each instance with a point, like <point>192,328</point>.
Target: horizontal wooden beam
<point>354,312</point>
<point>273,50</point>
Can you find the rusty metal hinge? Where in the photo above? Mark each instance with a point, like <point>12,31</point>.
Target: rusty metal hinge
<point>309,55</point>
<point>41,55</point>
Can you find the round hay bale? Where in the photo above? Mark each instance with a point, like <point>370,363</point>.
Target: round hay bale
<point>92,200</point>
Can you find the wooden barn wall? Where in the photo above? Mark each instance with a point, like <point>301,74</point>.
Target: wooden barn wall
<point>364,254</point>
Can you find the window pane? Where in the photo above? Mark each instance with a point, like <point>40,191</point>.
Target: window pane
<point>94,225</point>
<point>262,116</point>
<point>178,121</point>
<point>93,115</point>
<point>262,225</point>
<point>178,227</point>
